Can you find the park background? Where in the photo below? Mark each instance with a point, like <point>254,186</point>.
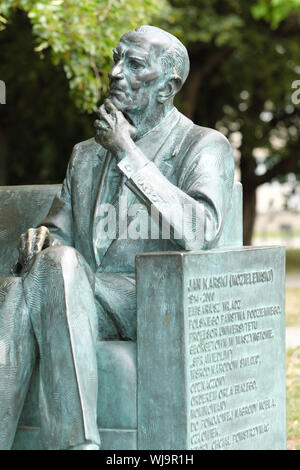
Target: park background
<point>244,81</point>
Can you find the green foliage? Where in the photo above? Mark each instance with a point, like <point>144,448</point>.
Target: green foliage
<point>244,70</point>
<point>205,21</point>
<point>80,35</point>
<point>245,56</point>
<point>275,11</point>
<point>39,123</point>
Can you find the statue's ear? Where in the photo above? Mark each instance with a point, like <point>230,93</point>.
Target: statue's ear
<point>170,88</point>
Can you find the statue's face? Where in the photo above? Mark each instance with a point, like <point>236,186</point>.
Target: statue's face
<point>136,76</point>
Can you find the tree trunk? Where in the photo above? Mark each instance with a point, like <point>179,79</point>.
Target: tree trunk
<point>249,182</point>
<point>190,91</point>
<point>200,70</point>
<point>249,213</point>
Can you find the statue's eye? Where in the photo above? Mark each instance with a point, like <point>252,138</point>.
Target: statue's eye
<point>135,64</point>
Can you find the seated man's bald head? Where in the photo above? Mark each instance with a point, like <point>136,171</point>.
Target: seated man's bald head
<point>174,56</point>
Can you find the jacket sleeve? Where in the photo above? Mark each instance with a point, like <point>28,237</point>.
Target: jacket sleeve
<point>209,180</point>
<point>195,209</point>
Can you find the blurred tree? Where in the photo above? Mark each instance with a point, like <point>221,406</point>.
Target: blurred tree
<point>39,123</point>
<point>80,36</point>
<point>48,48</point>
<point>242,71</point>
<point>244,59</point>
<point>275,11</point>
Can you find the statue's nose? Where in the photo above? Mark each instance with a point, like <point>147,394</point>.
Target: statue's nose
<point>116,70</point>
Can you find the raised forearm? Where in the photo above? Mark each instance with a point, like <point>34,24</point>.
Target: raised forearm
<point>183,215</point>
<point>189,219</point>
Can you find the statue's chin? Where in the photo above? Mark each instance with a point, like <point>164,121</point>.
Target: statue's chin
<point>127,106</point>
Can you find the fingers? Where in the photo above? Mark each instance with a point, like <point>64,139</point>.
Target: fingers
<point>114,111</point>
<point>105,116</point>
<point>119,116</point>
<point>110,107</point>
<point>32,243</point>
<point>106,121</point>
<point>42,236</point>
<point>113,131</point>
<point>99,125</point>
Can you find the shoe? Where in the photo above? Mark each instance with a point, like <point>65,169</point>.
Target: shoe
<point>85,446</point>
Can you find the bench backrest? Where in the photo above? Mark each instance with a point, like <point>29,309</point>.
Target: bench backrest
<point>22,207</point>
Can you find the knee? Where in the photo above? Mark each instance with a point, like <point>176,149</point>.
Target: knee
<point>61,260</point>
<point>59,256</point>
<point>51,263</point>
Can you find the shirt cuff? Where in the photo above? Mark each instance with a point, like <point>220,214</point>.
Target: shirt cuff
<point>129,168</point>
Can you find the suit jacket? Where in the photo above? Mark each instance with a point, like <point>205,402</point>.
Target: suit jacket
<point>187,165</point>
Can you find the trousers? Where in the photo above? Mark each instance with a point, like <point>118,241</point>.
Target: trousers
<point>55,314</point>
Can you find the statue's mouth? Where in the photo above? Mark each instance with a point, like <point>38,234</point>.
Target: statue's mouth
<point>115,91</point>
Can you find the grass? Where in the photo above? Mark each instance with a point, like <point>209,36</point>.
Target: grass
<point>293,293</point>
<point>275,234</point>
<point>293,355</point>
<point>293,261</point>
<point>293,398</point>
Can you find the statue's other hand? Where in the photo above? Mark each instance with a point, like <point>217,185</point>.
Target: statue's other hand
<point>31,243</point>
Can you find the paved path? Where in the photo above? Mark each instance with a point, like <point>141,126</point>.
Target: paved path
<point>293,280</point>
<point>293,332</point>
<point>286,242</point>
<point>292,337</point>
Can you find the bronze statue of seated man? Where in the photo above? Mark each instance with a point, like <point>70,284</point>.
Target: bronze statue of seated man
<point>74,280</point>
